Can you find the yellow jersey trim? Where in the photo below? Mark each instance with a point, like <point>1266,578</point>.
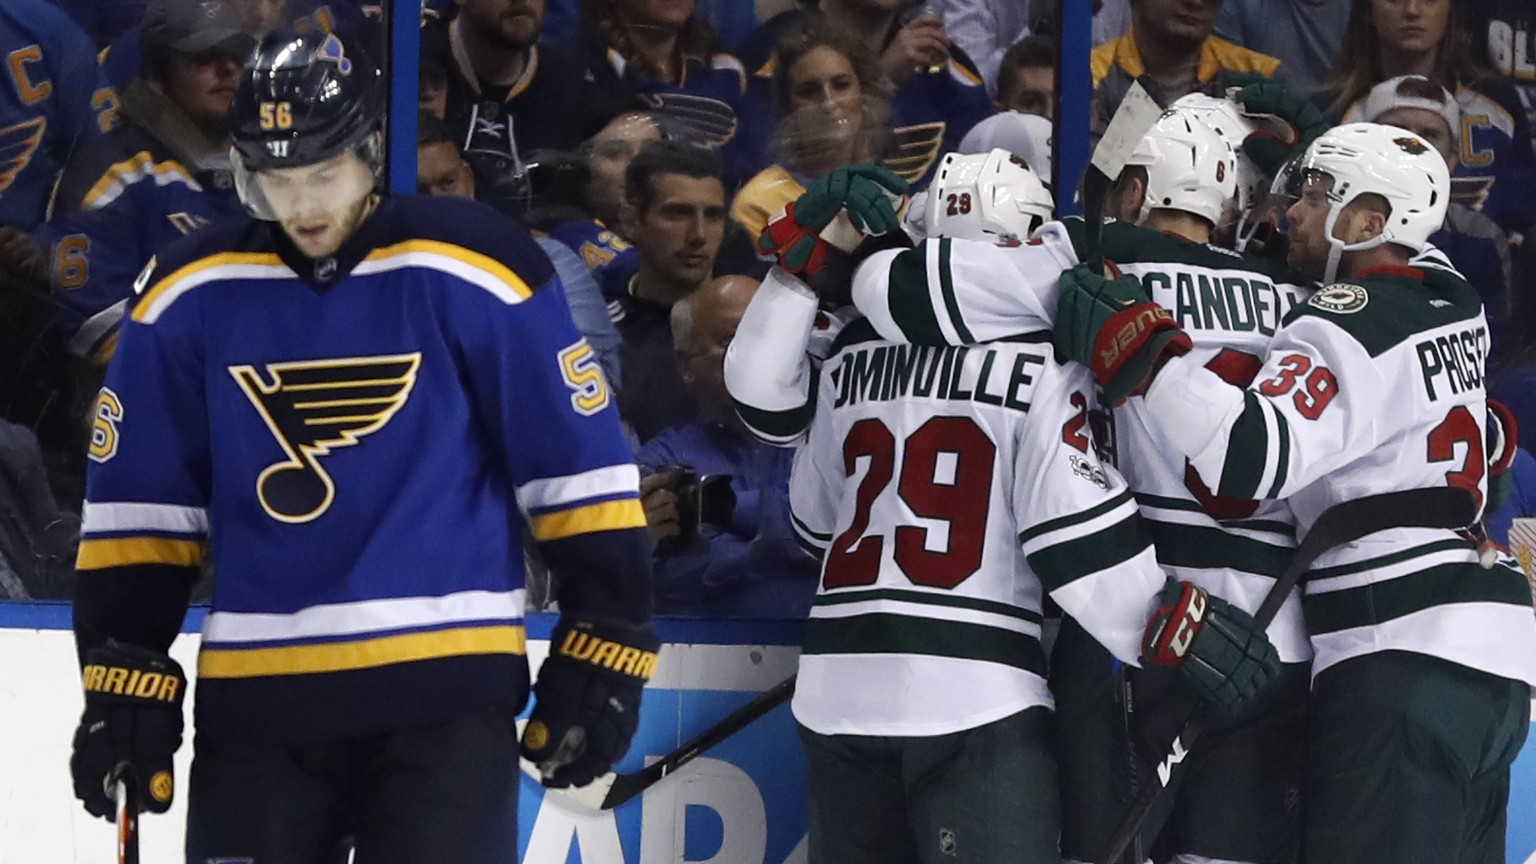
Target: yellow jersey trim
<point>604,516</point>
<point>121,172</point>
<point>361,654</point>
<point>1215,55</point>
<point>479,261</point>
<point>127,551</point>
<point>222,259</point>
<point>965,75</point>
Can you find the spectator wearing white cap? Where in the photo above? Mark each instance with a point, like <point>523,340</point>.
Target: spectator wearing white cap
<point>1027,136</point>
<point>1496,166</point>
<point>1471,242</point>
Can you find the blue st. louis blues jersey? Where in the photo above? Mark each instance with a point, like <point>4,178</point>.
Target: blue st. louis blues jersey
<point>125,197</point>
<point>363,453</point>
<point>53,99</point>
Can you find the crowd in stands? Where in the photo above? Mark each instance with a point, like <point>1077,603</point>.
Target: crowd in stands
<point>647,143</point>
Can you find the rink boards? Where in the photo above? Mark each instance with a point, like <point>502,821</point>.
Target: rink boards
<point>741,804</point>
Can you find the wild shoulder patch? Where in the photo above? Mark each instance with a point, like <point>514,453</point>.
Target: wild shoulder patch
<point>1340,297</point>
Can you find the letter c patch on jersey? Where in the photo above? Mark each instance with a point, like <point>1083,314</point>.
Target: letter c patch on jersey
<point>314,406</point>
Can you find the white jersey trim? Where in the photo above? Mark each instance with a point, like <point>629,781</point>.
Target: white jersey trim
<point>365,616</point>
<point>126,516</point>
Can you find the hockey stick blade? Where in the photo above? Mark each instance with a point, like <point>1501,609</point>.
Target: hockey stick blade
<point>611,789</point>
<point>1135,116</point>
<point>1346,522</point>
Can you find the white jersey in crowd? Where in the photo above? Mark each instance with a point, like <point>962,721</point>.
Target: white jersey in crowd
<point>947,487</point>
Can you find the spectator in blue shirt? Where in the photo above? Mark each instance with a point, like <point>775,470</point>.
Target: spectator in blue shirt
<point>1521,502</point>
<point>749,566</point>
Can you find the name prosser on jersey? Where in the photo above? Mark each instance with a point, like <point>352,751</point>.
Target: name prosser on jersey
<point>1455,357</point>
<point>886,372</point>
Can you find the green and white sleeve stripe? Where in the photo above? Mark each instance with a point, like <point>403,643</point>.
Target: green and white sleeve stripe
<point>1100,566</point>
<point>768,371</point>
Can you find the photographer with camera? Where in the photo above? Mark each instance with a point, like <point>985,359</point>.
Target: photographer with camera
<point>717,500</point>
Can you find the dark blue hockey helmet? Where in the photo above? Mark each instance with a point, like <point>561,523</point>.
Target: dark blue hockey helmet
<point>304,98</point>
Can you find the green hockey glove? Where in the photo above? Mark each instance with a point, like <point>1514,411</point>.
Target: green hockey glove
<point>1113,327</point>
<point>1220,648</point>
<point>1300,122</point>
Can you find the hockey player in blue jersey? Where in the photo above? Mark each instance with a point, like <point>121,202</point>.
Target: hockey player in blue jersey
<point>363,404</point>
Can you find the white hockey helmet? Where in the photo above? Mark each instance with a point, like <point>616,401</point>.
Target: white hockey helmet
<point>1227,120</point>
<point>1189,168</point>
<point>1371,158</point>
<point>986,196</point>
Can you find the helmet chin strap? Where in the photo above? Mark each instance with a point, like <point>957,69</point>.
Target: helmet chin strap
<point>1337,247</point>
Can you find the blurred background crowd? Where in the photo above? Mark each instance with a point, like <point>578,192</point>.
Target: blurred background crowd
<point>647,143</point>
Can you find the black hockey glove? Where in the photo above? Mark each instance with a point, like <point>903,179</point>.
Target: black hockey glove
<point>1220,648</point>
<point>587,699</point>
<point>132,717</point>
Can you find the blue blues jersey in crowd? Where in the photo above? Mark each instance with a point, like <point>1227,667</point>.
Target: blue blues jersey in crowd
<point>1504,39</point>
<point>1495,170</point>
<point>931,110</point>
<point>703,107</point>
<point>554,105</point>
<point>363,441</point>
<point>613,262</point>
<point>124,198</point>
<point>54,100</point>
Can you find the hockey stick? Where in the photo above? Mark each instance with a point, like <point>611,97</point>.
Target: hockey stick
<point>1439,507</point>
<point>126,793</point>
<point>611,790</point>
<point>1135,116</point>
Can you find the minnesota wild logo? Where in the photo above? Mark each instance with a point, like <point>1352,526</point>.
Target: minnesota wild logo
<point>1411,146</point>
<point>313,407</point>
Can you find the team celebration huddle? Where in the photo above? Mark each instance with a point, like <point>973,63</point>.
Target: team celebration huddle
<point>1237,434</point>
<point>1157,513</point>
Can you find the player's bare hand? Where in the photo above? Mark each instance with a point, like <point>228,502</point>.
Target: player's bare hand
<point>660,505</point>
<point>921,44</point>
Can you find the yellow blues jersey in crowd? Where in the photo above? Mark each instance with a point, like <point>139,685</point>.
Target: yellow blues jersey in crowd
<point>1374,385</point>
<point>362,442</point>
<point>959,292</point>
<point>946,490</point>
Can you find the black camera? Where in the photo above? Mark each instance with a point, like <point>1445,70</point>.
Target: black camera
<point>701,499</point>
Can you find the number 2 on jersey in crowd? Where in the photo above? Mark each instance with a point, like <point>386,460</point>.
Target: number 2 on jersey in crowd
<point>962,503</point>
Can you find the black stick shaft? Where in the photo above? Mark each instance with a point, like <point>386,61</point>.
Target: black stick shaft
<point>627,786</point>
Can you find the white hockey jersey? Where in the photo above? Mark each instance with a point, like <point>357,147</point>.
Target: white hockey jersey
<point>946,488</point>
<point>959,292</point>
<point>1372,386</point>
